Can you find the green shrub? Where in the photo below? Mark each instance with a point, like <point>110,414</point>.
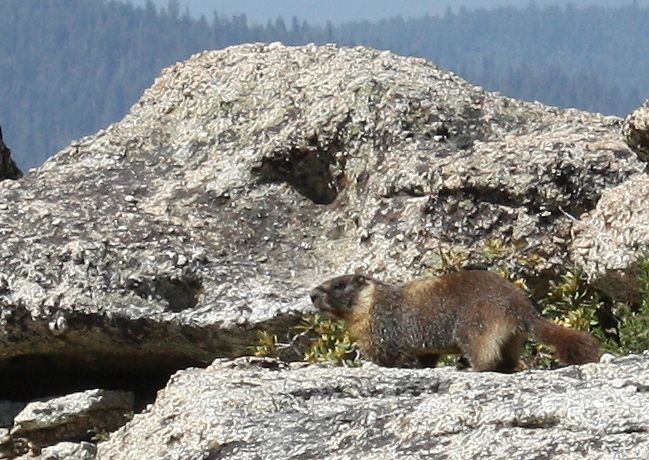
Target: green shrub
<point>314,339</point>
<point>633,326</point>
<point>328,340</point>
<point>266,345</point>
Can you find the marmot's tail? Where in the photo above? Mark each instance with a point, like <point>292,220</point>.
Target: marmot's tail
<point>572,347</point>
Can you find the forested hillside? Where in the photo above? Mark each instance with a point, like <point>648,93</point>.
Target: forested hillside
<point>70,67</point>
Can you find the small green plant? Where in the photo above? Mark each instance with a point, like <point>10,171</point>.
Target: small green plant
<point>633,327</point>
<point>451,260</point>
<point>266,344</point>
<point>494,249</point>
<point>572,302</point>
<point>97,435</point>
<point>531,260</point>
<point>316,339</point>
<point>328,341</point>
<point>506,273</point>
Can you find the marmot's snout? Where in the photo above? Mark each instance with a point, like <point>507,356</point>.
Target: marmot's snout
<point>316,295</point>
<point>319,299</point>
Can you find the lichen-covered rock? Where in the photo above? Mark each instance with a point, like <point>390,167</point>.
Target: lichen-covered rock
<point>636,131</point>
<point>243,177</point>
<point>247,410</point>
<point>8,168</point>
<point>609,240</point>
<point>75,417</point>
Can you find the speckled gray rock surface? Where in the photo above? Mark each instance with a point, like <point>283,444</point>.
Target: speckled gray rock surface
<point>608,240</point>
<point>243,177</point>
<point>65,451</point>
<point>246,410</point>
<point>636,131</point>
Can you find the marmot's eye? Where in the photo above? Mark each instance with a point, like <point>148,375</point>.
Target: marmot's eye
<point>339,285</point>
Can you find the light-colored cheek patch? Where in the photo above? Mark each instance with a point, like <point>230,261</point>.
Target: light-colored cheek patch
<point>365,299</point>
<point>358,320</point>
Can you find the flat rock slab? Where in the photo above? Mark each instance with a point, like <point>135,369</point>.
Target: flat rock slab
<point>75,417</point>
<point>252,408</point>
<point>65,451</point>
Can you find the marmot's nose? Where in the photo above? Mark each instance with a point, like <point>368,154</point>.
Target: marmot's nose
<point>315,294</point>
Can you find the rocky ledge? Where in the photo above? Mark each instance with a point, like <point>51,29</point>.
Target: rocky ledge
<point>243,177</point>
<point>250,409</point>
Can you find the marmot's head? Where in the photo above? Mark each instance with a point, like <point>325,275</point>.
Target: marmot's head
<point>339,296</point>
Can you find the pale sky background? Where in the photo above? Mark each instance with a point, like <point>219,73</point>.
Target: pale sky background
<point>337,11</point>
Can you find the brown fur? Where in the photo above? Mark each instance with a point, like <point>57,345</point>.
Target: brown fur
<point>474,313</point>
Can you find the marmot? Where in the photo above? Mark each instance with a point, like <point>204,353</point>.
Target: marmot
<point>474,313</point>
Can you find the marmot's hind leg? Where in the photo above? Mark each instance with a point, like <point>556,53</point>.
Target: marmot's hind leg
<point>495,349</point>
<point>510,352</point>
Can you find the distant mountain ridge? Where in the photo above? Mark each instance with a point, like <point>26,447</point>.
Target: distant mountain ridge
<point>89,60</point>
<point>340,11</point>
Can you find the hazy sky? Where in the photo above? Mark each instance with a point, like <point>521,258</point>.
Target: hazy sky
<point>320,11</point>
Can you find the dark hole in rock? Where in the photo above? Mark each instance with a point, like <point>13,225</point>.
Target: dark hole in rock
<point>307,171</point>
<point>29,377</point>
<point>180,293</point>
<point>442,130</point>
